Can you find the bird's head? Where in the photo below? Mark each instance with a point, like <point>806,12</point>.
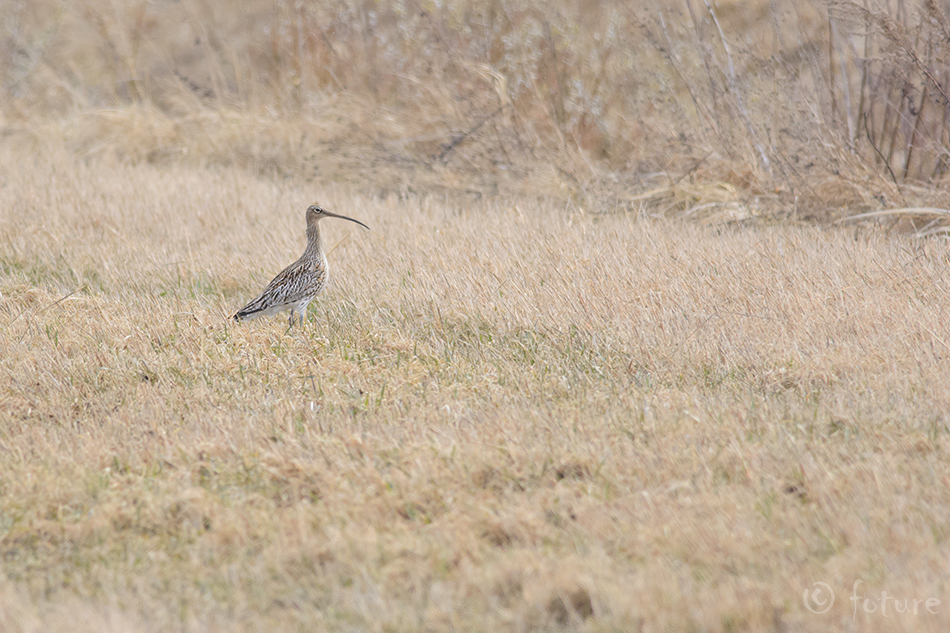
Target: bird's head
<point>315,213</point>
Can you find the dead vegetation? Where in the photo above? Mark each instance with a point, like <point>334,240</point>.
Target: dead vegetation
<point>498,417</point>
<point>777,110</point>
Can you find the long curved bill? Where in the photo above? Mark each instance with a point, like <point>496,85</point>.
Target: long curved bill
<point>343,217</point>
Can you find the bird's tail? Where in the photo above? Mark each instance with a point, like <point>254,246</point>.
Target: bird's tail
<point>244,314</point>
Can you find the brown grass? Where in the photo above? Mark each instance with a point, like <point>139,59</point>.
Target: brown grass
<point>508,416</point>
<point>795,110</point>
<point>632,345</point>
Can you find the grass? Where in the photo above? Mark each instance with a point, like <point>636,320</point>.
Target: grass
<point>496,417</point>
<point>777,109</point>
<point>647,334</point>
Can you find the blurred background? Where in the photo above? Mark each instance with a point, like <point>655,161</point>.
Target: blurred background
<point>727,109</point>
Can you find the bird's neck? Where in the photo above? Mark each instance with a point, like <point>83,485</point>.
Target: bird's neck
<point>314,239</point>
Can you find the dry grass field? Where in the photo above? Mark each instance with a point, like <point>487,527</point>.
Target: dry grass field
<point>497,416</point>
<point>602,363</point>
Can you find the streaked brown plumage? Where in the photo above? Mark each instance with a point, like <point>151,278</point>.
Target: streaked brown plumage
<point>299,283</point>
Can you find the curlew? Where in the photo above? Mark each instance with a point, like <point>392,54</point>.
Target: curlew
<point>299,283</point>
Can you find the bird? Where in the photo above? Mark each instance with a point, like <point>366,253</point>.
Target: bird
<point>296,286</point>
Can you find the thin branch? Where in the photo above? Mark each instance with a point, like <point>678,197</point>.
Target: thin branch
<point>449,147</point>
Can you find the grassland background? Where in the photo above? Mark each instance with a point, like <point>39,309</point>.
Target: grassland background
<point>649,334</point>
